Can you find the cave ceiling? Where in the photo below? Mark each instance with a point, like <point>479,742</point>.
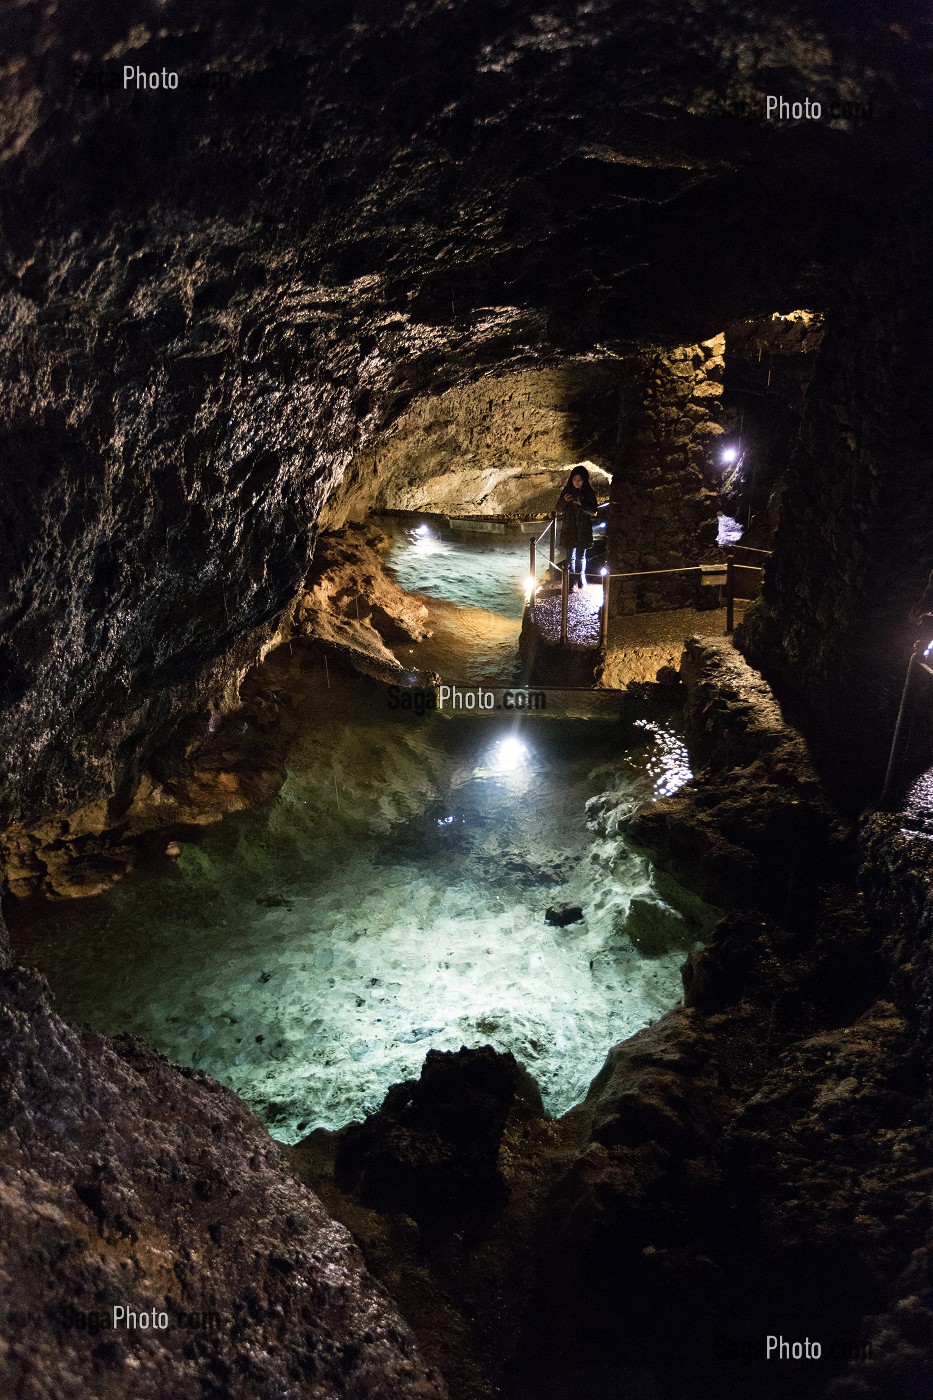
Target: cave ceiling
<point>213,298</point>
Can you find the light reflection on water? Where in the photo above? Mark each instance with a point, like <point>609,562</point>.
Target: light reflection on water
<point>668,763</point>
<point>310,954</point>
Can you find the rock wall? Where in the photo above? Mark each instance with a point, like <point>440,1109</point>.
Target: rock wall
<point>756,1160</point>
<point>664,503</point>
<point>129,1182</point>
<point>769,365</point>
<point>896,876</point>
<point>501,447</point>
<point>767,833</point>
<point>212,300</point>
<point>220,762</point>
<point>854,545</point>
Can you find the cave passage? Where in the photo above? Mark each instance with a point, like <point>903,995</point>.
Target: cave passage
<point>393,898</point>
<point>472,570</point>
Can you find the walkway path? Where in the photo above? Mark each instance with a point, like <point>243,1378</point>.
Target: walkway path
<point>641,644</point>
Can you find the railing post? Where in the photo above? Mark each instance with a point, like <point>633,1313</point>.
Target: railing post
<point>604,616</point>
<point>902,728</point>
<point>533,563</point>
<point>730,597</point>
<point>564,599</point>
<point>553,539</point>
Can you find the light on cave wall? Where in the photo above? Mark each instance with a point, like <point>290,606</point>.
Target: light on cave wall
<point>729,531</point>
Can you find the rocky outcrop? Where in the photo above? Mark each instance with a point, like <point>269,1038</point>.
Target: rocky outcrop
<point>219,763</point>
<point>755,829</point>
<point>432,1149</point>
<point>896,877</point>
<point>663,502</point>
<point>755,1162</point>
<point>127,1182</point>
<point>352,608</point>
<point>214,765</point>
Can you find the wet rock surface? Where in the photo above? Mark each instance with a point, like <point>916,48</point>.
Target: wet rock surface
<point>127,1181</point>
<point>213,300</point>
<point>756,1162</point>
<point>431,1151</point>
<point>756,829</point>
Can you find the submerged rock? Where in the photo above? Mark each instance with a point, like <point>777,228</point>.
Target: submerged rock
<point>563,914</point>
<point>655,927</point>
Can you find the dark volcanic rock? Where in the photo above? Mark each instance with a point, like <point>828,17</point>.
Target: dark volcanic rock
<point>755,829</point>
<point>127,1181</point>
<point>432,1148</point>
<point>757,1162</point>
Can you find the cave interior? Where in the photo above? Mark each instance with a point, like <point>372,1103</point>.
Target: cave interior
<point>383,1054</point>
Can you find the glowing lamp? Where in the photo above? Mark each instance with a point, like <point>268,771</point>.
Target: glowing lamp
<point>422,529</point>
<point>508,756</point>
<point>531,584</point>
<point>729,454</point>
<point>604,571</point>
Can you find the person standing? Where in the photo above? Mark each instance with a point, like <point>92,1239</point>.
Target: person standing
<point>577,508</point>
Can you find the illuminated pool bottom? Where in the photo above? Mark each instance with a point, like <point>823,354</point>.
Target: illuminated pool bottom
<point>485,571</point>
<point>392,900</point>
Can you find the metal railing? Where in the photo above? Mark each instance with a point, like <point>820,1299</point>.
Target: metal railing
<point>727,569</point>
<point>549,531</point>
<point>918,672</point>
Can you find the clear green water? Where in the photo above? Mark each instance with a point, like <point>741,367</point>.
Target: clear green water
<point>485,571</point>
<point>391,900</point>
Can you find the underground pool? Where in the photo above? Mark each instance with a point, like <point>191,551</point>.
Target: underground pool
<point>418,883</point>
